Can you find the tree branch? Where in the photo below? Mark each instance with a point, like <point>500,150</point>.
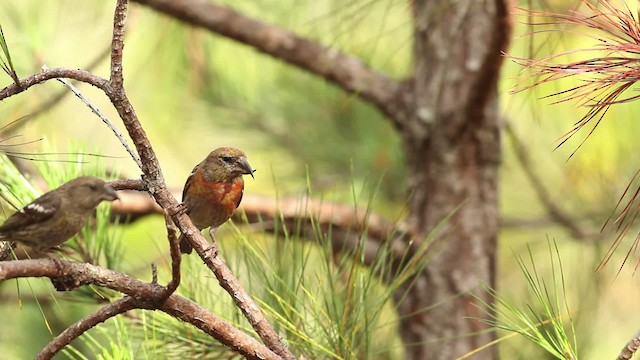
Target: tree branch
<point>74,331</point>
<point>230,283</point>
<point>54,100</point>
<point>102,117</point>
<point>347,224</point>
<point>70,274</point>
<point>44,75</point>
<point>630,348</point>
<point>347,72</point>
<point>553,209</point>
<point>176,257</point>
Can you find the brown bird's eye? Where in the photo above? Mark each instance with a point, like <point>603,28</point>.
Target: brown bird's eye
<point>93,187</point>
<point>227,159</point>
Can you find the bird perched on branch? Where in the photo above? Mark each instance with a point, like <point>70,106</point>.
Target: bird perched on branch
<point>214,190</point>
<point>56,216</point>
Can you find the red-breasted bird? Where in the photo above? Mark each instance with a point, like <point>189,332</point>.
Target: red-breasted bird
<point>214,190</point>
<point>57,215</point>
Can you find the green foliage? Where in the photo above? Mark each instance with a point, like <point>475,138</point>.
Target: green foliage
<point>6,63</point>
<point>112,345</point>
<point>326,305</point>
<point>15,188</point>
<point>547,322</point>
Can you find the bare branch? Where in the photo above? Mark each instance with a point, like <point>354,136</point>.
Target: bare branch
<point>54,100</point>
<point>630,348</point>
<point>44,75</point>
<point>74,331</point>
<point>117,43</point>
<point>128,184</point>
<point>553,209</point>
<point>347,72</point>
<point>347,223</point>
<point>102,117</point>
<point>176,256</point>
<point>71,274</point>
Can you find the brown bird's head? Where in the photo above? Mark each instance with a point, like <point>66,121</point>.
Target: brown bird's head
<point>227,163</point>
<point>87,192</point>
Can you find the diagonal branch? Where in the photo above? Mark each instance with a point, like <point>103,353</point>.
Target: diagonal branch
<point>630,348</point>
<point>57,98</point>
<point>71,274</point>
<point>230,283</point>
<point>74,331</point>
<point>553,209</point>
<point>102,117</point>
<point>156,185</point>
<point>345,71</point>
<point>176,256</point>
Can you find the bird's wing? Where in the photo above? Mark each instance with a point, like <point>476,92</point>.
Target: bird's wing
<point>240,198</point>
<point>36,212</point>
<point>187,185</point>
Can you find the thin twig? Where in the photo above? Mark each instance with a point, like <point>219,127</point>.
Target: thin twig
<point>102,117</point>
<point>176,256</point>
<point>54,100</point>
<point>74,331</point>
<point>128,184</point>
<point>154,274</point>
<point>553,209</point>
<point>117,44</point>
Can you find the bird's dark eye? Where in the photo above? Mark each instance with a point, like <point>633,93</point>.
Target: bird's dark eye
<point>227,159</point>
<point>93,187</point>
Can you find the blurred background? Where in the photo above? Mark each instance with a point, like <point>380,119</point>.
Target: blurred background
<point>194,92</point>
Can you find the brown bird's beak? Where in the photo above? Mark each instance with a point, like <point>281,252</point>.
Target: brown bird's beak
<point>244,165</point>
<point>110,194</point>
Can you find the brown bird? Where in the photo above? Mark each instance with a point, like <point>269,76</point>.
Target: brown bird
<point>214,190</point>
<point>57,215</point>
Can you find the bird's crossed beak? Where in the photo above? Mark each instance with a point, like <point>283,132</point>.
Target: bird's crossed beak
<point>244,165</point>
<point>110,194</point>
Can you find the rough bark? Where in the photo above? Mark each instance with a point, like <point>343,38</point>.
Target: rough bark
<point>453,150</point>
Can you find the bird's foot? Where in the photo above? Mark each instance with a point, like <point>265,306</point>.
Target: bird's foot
<point>56,260</point>
<point>211,252</point>
<point>178,209</point>
<point>63,282</point>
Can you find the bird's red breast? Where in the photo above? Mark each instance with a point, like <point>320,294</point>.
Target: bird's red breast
<point>211,203</point>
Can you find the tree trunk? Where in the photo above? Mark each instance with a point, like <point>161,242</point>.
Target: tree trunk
<point>452,142</point>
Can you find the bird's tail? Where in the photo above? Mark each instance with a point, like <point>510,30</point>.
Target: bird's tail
<point>185,246</point>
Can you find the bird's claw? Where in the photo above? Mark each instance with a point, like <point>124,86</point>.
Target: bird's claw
<point>178,209</point>
<point>211,252</point>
